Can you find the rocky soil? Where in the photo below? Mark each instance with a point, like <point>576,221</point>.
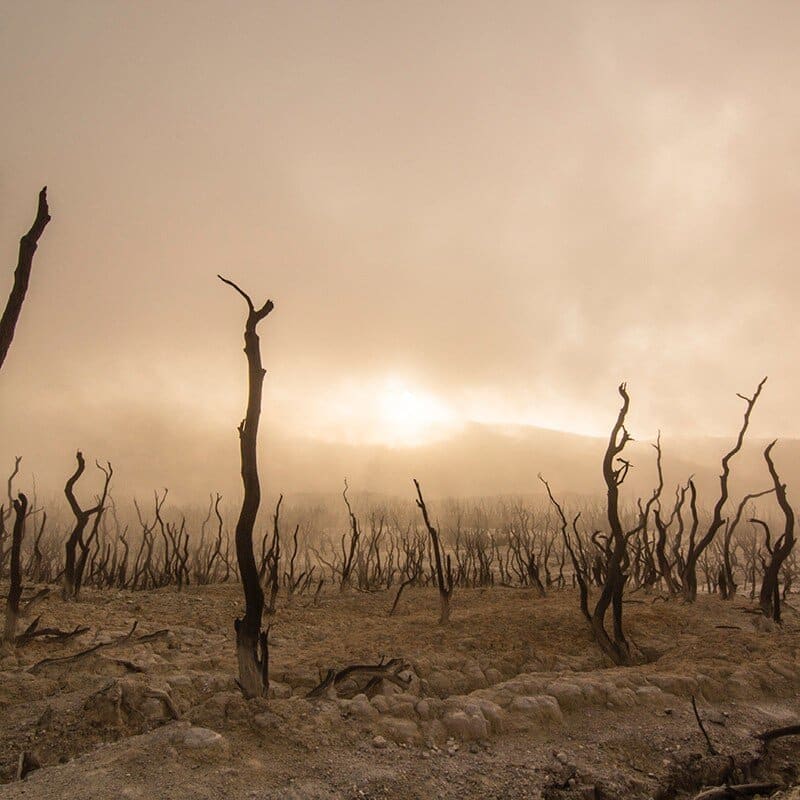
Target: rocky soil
<point>511,700</point>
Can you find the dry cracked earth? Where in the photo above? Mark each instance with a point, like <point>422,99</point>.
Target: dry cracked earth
<point>511,700</point>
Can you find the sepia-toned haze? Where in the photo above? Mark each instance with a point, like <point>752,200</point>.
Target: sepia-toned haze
<point>469,216</point>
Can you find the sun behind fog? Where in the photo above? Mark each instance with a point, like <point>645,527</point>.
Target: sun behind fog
<point>409,416</point>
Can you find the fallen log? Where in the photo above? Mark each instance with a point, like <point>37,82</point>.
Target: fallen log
<point>375,673</point>
<point>33,631</point>
<point>46,662</point>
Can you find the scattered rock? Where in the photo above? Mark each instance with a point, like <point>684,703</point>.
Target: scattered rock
<point>201,740</point>
<point>466,726</point>
<point>402,731</point>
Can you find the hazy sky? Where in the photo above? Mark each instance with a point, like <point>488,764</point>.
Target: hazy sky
<point>462,211</point>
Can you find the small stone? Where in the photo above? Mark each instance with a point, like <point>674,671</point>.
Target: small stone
<point>399,730</point>
<point>266,720</point>
<point>279,690</point>
<point>562,757</point>
<point>493,676</point>
<point>379,743</point>
<point>205,739</point>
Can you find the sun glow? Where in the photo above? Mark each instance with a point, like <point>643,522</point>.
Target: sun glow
<point>407,416</point>
<point>395,410</point>
<point>384,410</point>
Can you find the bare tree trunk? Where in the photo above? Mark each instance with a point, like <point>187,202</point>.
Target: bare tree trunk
<point>22,274</point>
<point>444,576</point>
<point>617,648</point>
<point>251,641</point>
<point>355,536</point>
<point>72,574</point>
<point>99,509</point>
<point>689,576</point>
<point>769,598</point>
<point>5,511</point>
<point>15,590</point>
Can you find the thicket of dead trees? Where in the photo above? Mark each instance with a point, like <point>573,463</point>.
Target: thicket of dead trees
<point>608,553</point>
<point>663,545</point>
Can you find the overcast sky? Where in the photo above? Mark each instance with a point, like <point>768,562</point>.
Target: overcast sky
<point>462,211</point>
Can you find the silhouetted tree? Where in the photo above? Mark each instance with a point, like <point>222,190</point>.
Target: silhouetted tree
<point>611,564</point>
<point>252,648</point>
<point>443,568</point>
<point>20,505</point>
<point>615,469</point>
<point>27,247</point>
<point>6,510</point>
<point>72,573</point>
<point>770,597</point>
<point>695,549</point>
<point>348,554</point>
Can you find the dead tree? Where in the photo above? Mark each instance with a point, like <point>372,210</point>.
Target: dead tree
<point>348,554</point>
<point>20,505</point>
<point>580,571</point>
<point>71,580</point>
<point>206,560</point>
<point>615,469</point>
<point>613,559</point>
<point>5,511</point>
<point>80,564</point>
<point>727,581</point>
<point>296,582</point>
<point>251,641</point>
<point>271,562</point>
<point>22,274</point>
<point>414,552</point>
<point>769,597</point>
<point>695,550</point>
<point>665,566</point>
<point>444,570</point>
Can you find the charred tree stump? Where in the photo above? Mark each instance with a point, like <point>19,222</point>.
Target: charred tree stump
<point>251,641</point>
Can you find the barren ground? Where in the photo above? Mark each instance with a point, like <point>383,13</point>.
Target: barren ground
<point>511,700</point>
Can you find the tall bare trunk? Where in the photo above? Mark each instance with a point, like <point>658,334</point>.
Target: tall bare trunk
<point>251,641</point>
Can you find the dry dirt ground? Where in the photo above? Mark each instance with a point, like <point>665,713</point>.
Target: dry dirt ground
<point>511,700</point>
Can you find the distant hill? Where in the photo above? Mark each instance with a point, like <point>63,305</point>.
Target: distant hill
<point>479,460</point>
